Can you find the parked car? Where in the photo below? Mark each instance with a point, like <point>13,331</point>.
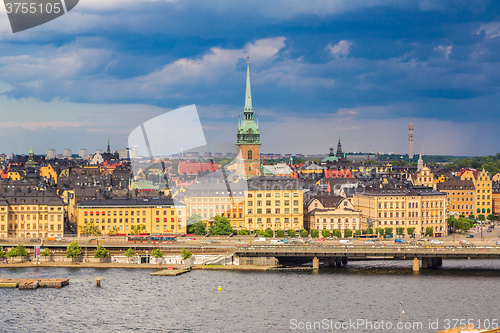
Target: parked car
<point>59,239</point>
<point>423,240</point>
<point>35,240</point>
<point>401,241</point>
<point>345,242</point>
<point>470,236</point>
<point>436,241</point>
<point>370,241</point>
<point>466,243</point>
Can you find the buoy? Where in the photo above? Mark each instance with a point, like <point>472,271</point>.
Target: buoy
<point>219,289</point>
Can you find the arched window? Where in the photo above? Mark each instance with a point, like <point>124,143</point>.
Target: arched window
<point>250,155</point>
<point>249,168</point>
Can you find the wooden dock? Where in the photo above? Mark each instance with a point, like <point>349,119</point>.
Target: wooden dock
<point>170,272</point>
<point>30,284</point>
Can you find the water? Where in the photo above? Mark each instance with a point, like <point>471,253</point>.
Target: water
<point>131,300</point>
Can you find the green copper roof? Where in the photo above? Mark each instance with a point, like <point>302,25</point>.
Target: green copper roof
<point>248,127</point>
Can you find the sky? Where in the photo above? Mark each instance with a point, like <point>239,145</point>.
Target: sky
<point>320,70</point>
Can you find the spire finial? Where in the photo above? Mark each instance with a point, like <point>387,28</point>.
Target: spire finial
<point>248,58</point>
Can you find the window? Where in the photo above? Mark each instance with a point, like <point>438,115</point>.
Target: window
<point>250,155</point>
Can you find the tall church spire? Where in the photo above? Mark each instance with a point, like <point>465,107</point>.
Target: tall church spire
<point>248,111</point>
<point>109,148</point>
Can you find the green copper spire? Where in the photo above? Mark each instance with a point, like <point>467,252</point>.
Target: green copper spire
<point>248,94</point>
<point>248,127</point>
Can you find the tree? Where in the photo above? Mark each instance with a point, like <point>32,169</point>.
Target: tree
<point>400,231</point>
<point>22,250</point>
<point>358,232</point>
<point>221,226</point>
<point>186,254</point>
<point>491,217</point>
<point>90,229</point>
<point>303,233</point>
<point>481,217</point>
<point>314,233</point>
<point>291,233</point>
<point>388,231</point>
<point>369,231</point>
<point>325,233</point>
<point>347,233</point>
<point>379,231</point>
<point>410,231</point>
<point>12,253</point>
<point>466,226</point>
<point>336,233</point>
<point>46,252</point>
<point>101,252</point>
<point>2,254</point>
<point>129,253</point>
<point>280,233</point>
<point>194,218</point>
<point>244,232</point>
<point>268,233</point>
<point>471,216</point>
<point>156,253</point>
<point>114,231</point>
<point>260,232</point>
<point>73,250</point>
<point>429,231</point>
<point>198,228</point>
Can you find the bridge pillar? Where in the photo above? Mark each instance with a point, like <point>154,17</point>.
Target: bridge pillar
<point>426,262</point>
<point>416,265</point>
<point>344,260</point>
<point>434,262</point>
<point>327,262</point>
<point>315,263</point>
<point>439,262</point>
<point>338,262</point>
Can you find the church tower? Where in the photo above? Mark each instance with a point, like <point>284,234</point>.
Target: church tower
<point>248,137</point>
<point>340,154</point>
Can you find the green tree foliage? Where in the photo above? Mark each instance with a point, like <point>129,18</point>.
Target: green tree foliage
<point>291,233</point>
<point>388,231</point>
<point>46,253</point>
<point>303,233</point>
<point>90,229</point>
<point>358,232</point>
<point>244,232</point>
<point>198,228</point>
<point>221,226</point>
<point>2,254</point>
<point>400,231</point>
<point>466,226</point>
<point>471,216</point>
<point>73,250</point>
<point>12,253</point>
<point>156,253</point>
<point>429,231</point>
<point>260,232</point>
<point>347,233</point>
<point>22,250</point>
<point>101,252</point>
<point>314,233</point>
<point>489,163</point>
<point>186,254</point>
<point>268,233</point>
<point>325,233</point>
<point>410,231</point>
<point>194,218</point>
<point>336,233</point>
<point>129,253</point>
<point>379,231</point>
<point>481,217</point>
<point>490,217</point>
<point>280,233</point>
<point>369,231</point>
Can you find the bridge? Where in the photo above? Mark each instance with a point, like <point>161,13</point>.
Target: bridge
<point>423,257</point>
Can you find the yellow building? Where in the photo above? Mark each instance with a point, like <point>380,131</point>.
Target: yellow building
<point>275,203</point>
<point>32,214</point>
<point>49,173</point>
<point>483,190</point>
<point>460,196</point>
<point>424,177</point>
<point>403,208</point>
<point>125,216</point>
<point>328,211</point>
<point>211,199</point>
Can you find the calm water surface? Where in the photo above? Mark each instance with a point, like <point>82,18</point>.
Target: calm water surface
<point>131,300</point>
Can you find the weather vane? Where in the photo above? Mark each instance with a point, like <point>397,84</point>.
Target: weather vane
<point>248,58</point>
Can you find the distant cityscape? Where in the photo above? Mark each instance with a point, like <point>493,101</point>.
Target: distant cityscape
<point>116,193</point>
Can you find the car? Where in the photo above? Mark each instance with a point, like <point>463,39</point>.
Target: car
<point>370,241</point>
<point>498,242</point>
<point>489,230</point>
<point>35,240</point>
<point>470,236</point>
<point>436,241</point>
<point>345,241</point>
<point>401,241</point>
<point>59,239</point>
<point>466,243</point>
<point>423,240</point>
